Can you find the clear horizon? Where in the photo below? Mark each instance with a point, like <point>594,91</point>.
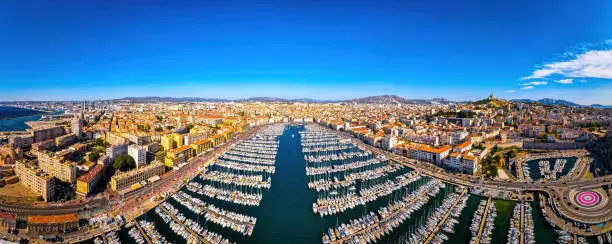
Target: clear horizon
<point>100,50</point>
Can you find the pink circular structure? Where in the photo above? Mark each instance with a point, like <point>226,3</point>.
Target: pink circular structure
<point>588,198</point>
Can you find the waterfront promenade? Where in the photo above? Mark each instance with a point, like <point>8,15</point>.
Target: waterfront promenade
<point>522,224</point>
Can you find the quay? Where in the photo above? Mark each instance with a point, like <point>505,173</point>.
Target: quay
<point>142,232</point>
<point>522,224</point>
<point>483,220</point>
<point>181,223</point>
<point>448,213</point>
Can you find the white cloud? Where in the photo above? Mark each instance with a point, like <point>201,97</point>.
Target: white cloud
<point>565,81</point>
<point>535,83</point>
<point>511,91</point>
<point>527,87</point>
<point>592,64</point>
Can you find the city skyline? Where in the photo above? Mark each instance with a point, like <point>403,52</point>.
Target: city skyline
<point>318,50</point>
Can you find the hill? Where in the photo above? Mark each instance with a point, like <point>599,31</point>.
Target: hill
<point>549,101</point>
<point>283,100</point>
<point>492,101</point>
<point>394,99</point>
<point>169,99</point>
<point>383,99</point>
<point>600,106</point>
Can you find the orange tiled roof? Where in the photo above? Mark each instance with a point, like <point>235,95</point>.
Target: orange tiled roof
<point>200,142</point>
<point>92,173</point>
<point>464,144</point>
<point>182,149</point>
<point>430,149</point>
<point>467,156</point>
<point>36,219</point>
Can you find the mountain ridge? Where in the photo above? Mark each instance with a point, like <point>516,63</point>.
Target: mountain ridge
<point>549,101</point>
<point>378,99</point>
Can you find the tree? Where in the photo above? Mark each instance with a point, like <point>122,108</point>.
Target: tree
<point>100,142</point>
<point>189,127</point>
<point>480,147</point>
<point>144,128</point>
<point>124,162</point>
<point>94,156</point>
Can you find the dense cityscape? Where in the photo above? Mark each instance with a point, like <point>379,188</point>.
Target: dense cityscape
<point>376,169</point>
<point>290,122</point>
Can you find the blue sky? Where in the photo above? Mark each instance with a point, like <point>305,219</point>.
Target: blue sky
<point>462,50</point>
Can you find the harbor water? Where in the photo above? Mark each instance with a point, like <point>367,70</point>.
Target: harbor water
<point>17,124</point>
<point>14,119</point>
<point>535,169</point>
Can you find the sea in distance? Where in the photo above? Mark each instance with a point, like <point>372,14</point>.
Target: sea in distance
<point>13,118</point>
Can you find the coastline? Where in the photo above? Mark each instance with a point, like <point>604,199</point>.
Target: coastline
<point>17,123</point>
<point>30,112</point>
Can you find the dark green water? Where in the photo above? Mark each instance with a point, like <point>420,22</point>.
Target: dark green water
<point>535,168</point>
<point>544,232</point>
<point>502,221</point>
<point>462,229</point>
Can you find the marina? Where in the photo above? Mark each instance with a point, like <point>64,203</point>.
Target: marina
<point>448,221</point>
<point>549,168</point>
<point>483,222</point>
<point>394,205</point>
<point>521,225</point>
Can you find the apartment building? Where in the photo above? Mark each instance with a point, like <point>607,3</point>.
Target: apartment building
<point>124,180</point>
<point>178,155</point>
<point>114,151</point>
<point>201,146</point>
<point>63,170</point>
<point>36,180</point>
<point>46,132</point>
<point>87,182</point>
<point>431,154</point>
<point>139,154</point>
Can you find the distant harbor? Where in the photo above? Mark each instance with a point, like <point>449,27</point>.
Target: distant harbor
<point>14,118</point>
